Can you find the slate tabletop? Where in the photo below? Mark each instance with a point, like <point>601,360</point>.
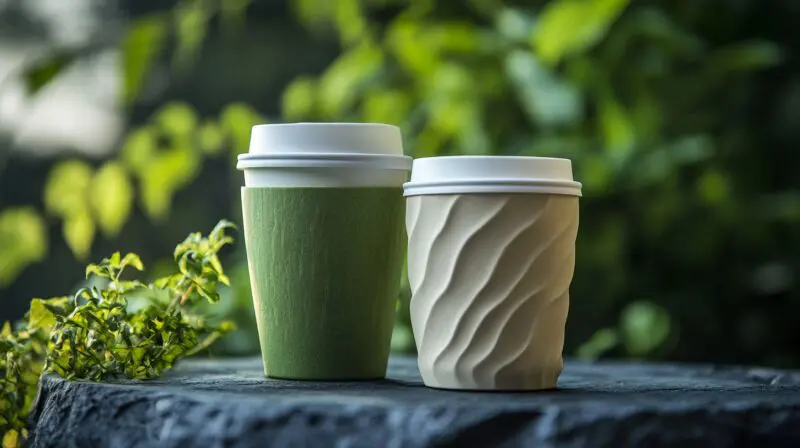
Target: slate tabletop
<point>229,403</point>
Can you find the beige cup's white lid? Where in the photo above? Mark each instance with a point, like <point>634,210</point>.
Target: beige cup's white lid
<point>491,174</point>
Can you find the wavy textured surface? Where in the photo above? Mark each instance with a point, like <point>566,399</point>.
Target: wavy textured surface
<point>490,278</point>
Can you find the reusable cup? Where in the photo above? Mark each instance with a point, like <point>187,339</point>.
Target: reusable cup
<point>323,223</point>
<point>490,260</point>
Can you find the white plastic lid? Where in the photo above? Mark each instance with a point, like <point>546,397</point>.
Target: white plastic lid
<point>352,138</point>
<point>491,174</point>
<point>324,145</point>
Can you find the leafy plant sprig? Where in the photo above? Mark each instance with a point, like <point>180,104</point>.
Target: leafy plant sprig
<point>122,328</point>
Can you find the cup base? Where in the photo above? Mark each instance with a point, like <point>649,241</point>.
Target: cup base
<point>332,379</point>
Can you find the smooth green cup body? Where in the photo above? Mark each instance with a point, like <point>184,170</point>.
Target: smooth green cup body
<point>325,267</point>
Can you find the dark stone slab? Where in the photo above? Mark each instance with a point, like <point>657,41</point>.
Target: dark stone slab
<point>230,404</point>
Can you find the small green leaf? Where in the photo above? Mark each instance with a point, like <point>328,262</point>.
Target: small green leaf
<point>134,261</point>
<point>39,317</point>
<point>618,131</point>
<point>111,196</point>
<point>141,45</point>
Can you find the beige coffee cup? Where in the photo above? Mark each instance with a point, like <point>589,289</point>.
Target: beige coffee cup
<point>491,256</point>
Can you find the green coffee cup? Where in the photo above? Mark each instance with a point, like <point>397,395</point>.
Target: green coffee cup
<point>324,229</point>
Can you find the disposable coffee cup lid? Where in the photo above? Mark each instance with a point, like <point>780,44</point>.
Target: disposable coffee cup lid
<point>491,174</point>
<point>305,145</point>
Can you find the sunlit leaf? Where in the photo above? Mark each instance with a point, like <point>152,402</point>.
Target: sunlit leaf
<point>79,230</point>
<point>65,192</point>
<point>111,197</point>
<point>298,99</point>
<point>23,241</point>
<point>39,317</point>
<point>570,26</point>
<point>141,45</point>
<point>645,326</point>
<point>44,71</point>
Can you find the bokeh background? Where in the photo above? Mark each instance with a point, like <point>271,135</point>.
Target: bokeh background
<point>120,121</point>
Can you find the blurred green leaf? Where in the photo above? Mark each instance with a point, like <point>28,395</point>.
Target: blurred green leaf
<point>713,187</point>
<point>111,196</point>
<point>601,341</point>
<point>547,99</point>
<point>298,99</point>
<point>237,119</point>
<point>79,230</point>
<point>66,189</point>
<point>386,106</point>
<point>745,56</point>
<point>45,70</point>
<point>515,24</point>
<point>345,78</point>
<point>139,147</point>
<point>571,26</point>
<point>177,119</point>
<point>23,241</point>
<point>191,24</point>
<point>645,326</point>
<point>413,54</point>
<point>618,132</point>
<point>233,11</point>
<point>141,45</point>
<point>350,20</point>
<point>210,138</point>
<point>168,171</point>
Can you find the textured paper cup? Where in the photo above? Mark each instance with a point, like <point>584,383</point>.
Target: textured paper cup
<point>490,260</point>
<point>323,222</point>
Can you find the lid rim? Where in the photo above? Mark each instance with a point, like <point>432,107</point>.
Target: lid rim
<point>429,190</point>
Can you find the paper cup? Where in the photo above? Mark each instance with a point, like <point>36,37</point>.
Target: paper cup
<point>490,260</point>
<point>323,222</point>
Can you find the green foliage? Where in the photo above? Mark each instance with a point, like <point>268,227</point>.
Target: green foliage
<point>632,92</point>
<point>95,334</point>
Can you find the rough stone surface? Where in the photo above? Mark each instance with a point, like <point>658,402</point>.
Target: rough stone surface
<point>230,404</point>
